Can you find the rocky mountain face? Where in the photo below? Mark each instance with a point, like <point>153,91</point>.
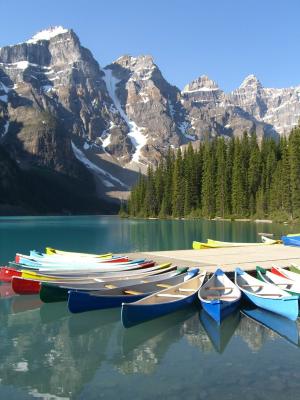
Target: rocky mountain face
<point>61,111</point>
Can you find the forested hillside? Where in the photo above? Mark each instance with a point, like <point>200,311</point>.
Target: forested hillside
<point>228,178</point>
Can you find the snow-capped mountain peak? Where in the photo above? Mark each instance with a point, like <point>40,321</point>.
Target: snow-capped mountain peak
<point>250,81</point>
<point>203,83</point>
<point>47,34</point>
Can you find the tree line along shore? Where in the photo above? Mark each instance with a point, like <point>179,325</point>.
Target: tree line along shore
<point>223,178</point>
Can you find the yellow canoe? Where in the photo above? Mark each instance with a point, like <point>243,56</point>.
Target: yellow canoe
<point>201,246</point>
<point>293,234</point>
<point>216,244</point>
<point>265,241</point>
<point>51,251</point>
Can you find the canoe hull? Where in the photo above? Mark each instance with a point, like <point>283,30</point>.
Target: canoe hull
<point>25,286</point>
<point>286,307</point>
<point>6,274</point>
<point>82,301</point>
<point>219,310</point>
<point>294,269</point>
<point>53,294</point>
<point>133,314</point>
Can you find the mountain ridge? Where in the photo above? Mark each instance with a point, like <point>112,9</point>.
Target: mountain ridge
<point>59,109</point>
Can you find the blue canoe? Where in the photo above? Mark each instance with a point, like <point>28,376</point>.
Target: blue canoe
<point>267,296</point>
<point>80,301</point>
<point>282,326</point>
<point>162,303</point>
<point>219,296</point>
<point>291,240</point>
<point>220,334</point>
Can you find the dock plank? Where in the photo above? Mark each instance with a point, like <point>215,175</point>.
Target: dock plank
<point>228,258</point>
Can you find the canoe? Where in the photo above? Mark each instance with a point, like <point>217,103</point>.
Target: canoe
<point>291,240</point>
<point>101,277</point>
<point>25,286</point>
<point>264,241</point>
<point>282,326</point>
<point>54,292</point>
<point>7,273</point>
<point>219,296</point>
<point>285,273</point>
<point>52,251</point>
<point>162,303</point>
<point>220,333</point>
<point>73,270</point>
<point>295,269</point>
<point>284,283</point>
<point>200,245</point>
<point>151,269</point>
<point>267,296</point>
<point>70,263</point>
<point>41,257</point>
<point>98,300</point>
<point>216,244</point>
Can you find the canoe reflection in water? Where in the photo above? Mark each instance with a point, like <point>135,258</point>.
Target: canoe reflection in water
<point>220,333</point>
<point>284,327</point>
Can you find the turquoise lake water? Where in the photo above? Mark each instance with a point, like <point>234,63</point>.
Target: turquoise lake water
<point>47,353</point>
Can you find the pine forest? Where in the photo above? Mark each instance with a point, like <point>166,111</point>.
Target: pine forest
<point>223,177</point>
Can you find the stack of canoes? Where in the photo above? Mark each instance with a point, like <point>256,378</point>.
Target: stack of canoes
<point>144,290</point>
<point>216,244</point>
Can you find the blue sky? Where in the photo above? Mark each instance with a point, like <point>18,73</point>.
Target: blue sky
<point>224,39</point>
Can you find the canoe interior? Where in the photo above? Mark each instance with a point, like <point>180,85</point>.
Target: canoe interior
<point>175,293</point>
<point>219,287</point>
<point>254,286</point>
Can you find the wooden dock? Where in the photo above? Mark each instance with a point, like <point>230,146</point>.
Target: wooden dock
<point>228,258</point>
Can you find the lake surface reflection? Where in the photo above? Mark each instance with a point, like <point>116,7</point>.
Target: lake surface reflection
<point>47,353</point>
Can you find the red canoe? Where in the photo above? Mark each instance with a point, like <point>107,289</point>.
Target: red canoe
<point>25,286</point>
<point>7,273</point>
<point>276,272</point>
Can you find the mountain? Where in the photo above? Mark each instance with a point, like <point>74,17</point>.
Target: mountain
<point>62,112</point>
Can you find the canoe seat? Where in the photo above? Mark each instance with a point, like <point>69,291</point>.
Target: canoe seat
<point>220,298</point>
<point>251,286</point>
<point>218,288</point>
<point>185,290</point>
<point>179,296</point>
<point>110,286</point>
<point>163,285</point>
<point>133,292</point>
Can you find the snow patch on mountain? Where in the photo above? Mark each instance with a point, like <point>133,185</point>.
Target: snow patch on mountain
<point>135,134</point>
<point>5,89</point>
<point>108,178</point>
<point>47,34</point>
<point>6,127</point>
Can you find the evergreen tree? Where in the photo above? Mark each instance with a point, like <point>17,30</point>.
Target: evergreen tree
<point>221,177</point>
<point>294,147</point>
<point>254,173</point>
<point>208,180</point>
<point>239,181</point>
<point>178,187</point>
